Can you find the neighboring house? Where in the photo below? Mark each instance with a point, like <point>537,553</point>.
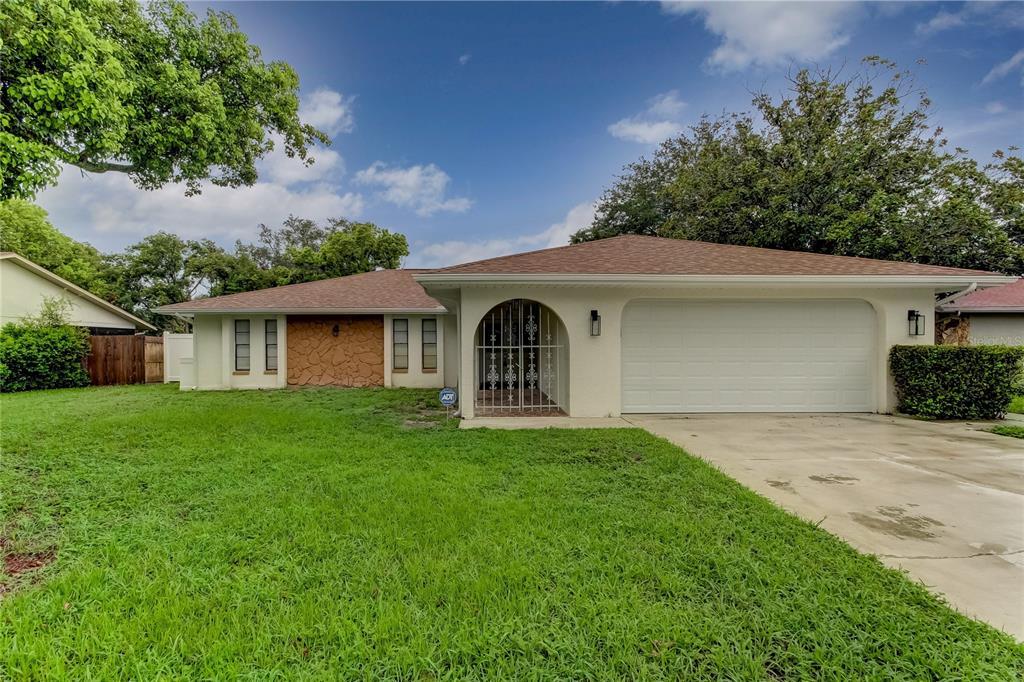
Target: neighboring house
<point>994,315</point>
<point>628,324</point>
<point>24,286</point>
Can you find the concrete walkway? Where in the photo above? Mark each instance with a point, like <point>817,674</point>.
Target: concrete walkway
<point>546,423</point>
<point>944,501</point>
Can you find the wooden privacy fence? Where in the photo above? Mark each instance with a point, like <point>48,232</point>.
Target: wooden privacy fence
<point>125,360</point>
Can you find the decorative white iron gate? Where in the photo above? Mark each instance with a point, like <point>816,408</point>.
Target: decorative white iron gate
<point>519,346</point>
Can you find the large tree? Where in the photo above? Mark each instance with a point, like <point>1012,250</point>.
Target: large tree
<point>161,269</point>
<point>26,230</point>
<point>841,165</point>
<point>109,85</point>
<point>302,250</point>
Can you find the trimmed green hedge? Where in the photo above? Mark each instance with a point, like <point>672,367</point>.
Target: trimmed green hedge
<point>35,356</point>
<point>956,382</point>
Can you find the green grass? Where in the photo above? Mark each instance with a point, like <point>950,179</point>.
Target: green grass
<point>1017,405</point>
<point>1013,431</point>
<point>341,534</point>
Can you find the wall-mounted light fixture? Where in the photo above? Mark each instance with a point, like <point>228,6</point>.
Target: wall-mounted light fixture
<point>595,323</point>
<point>336,330</point>
<point>915,323</point>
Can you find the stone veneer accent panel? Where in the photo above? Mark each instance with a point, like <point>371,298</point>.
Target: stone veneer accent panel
<point>355,357</point>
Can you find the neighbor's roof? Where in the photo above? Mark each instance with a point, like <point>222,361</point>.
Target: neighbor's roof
<point>1008,298</point>
<point>381,291</point>
<point>73,288</point>
<point>641,255</point>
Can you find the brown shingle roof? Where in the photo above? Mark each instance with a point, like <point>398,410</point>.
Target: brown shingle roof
<point>641,255</point>
<point>1007,298</point>
<point>378,291</point>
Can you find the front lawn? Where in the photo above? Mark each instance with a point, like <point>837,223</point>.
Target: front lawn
<point>1017,405</point>
<point>353,533</point>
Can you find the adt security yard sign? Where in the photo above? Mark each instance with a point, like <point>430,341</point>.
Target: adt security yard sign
<point>447,396</point>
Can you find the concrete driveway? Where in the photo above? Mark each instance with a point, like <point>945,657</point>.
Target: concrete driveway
<point>944,501</point>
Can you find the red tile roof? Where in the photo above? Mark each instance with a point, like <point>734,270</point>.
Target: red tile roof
<point>641,255</point>
<point>1007,298</point>
<point>379,291</point>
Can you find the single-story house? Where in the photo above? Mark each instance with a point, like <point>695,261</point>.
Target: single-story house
<point>627,324</point>
<point>24,286</point>
<point>994,315</point>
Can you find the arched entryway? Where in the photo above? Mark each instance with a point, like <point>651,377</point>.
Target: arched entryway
<point>522,361</point>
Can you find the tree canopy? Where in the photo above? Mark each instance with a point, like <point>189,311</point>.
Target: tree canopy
<point>110,85</point>
<point>840,165</point>
<point>26,230</point>
<point>163,268</point>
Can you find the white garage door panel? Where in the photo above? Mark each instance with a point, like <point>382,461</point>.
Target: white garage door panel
<point>732,356</point>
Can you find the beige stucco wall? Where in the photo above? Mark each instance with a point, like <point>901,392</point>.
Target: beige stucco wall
<point>415,376</point>
<point>22,293</point>
<point>997,328</point>
<point>451,350</point>
<point>595,362</point>
<point>213,354</point>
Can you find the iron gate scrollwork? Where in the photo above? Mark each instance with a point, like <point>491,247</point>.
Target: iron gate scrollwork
<point>519,359</point>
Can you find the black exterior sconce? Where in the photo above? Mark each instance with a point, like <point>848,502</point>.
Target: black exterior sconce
<point>915,323</point>
<point>595,323</point>
<point>336,330</point>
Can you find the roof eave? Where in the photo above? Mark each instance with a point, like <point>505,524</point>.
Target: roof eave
<point>981,309</point>
<point>439,278</point>
<point>438,310</point>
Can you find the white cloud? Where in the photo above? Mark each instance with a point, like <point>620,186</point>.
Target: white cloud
<point>995,108</point>
<point>1003,69</point>
<point>454,252</point>
<point>655,123</point>
<point>328,110</point>
<point>278,168</point>
<point>666,104</point>
<point>767,33</point>
<point>994,15</point>
<point>109,208</point>
<point>940,22</point>
<point>646,132</point>
<point>420,188</point>
<point>464,59</point>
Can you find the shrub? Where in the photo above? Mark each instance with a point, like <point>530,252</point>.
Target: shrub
<point>34,356</point>
<point>956,382</point>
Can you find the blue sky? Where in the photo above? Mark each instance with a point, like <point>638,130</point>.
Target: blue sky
<point>480,129</point>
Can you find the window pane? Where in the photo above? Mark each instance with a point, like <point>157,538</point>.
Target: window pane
<point>242,326</point>
<point>242,350</point>
<point>242,363</point>
<point>241,338</point>
<point>400,344</point>
<point>271,326</point>
<point>430,325</point>
<point>272,356</point>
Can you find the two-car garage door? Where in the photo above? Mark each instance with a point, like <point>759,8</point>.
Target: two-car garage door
<point>739,356</point>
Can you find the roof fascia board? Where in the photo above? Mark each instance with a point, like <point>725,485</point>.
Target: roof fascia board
<point>75,289</point>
